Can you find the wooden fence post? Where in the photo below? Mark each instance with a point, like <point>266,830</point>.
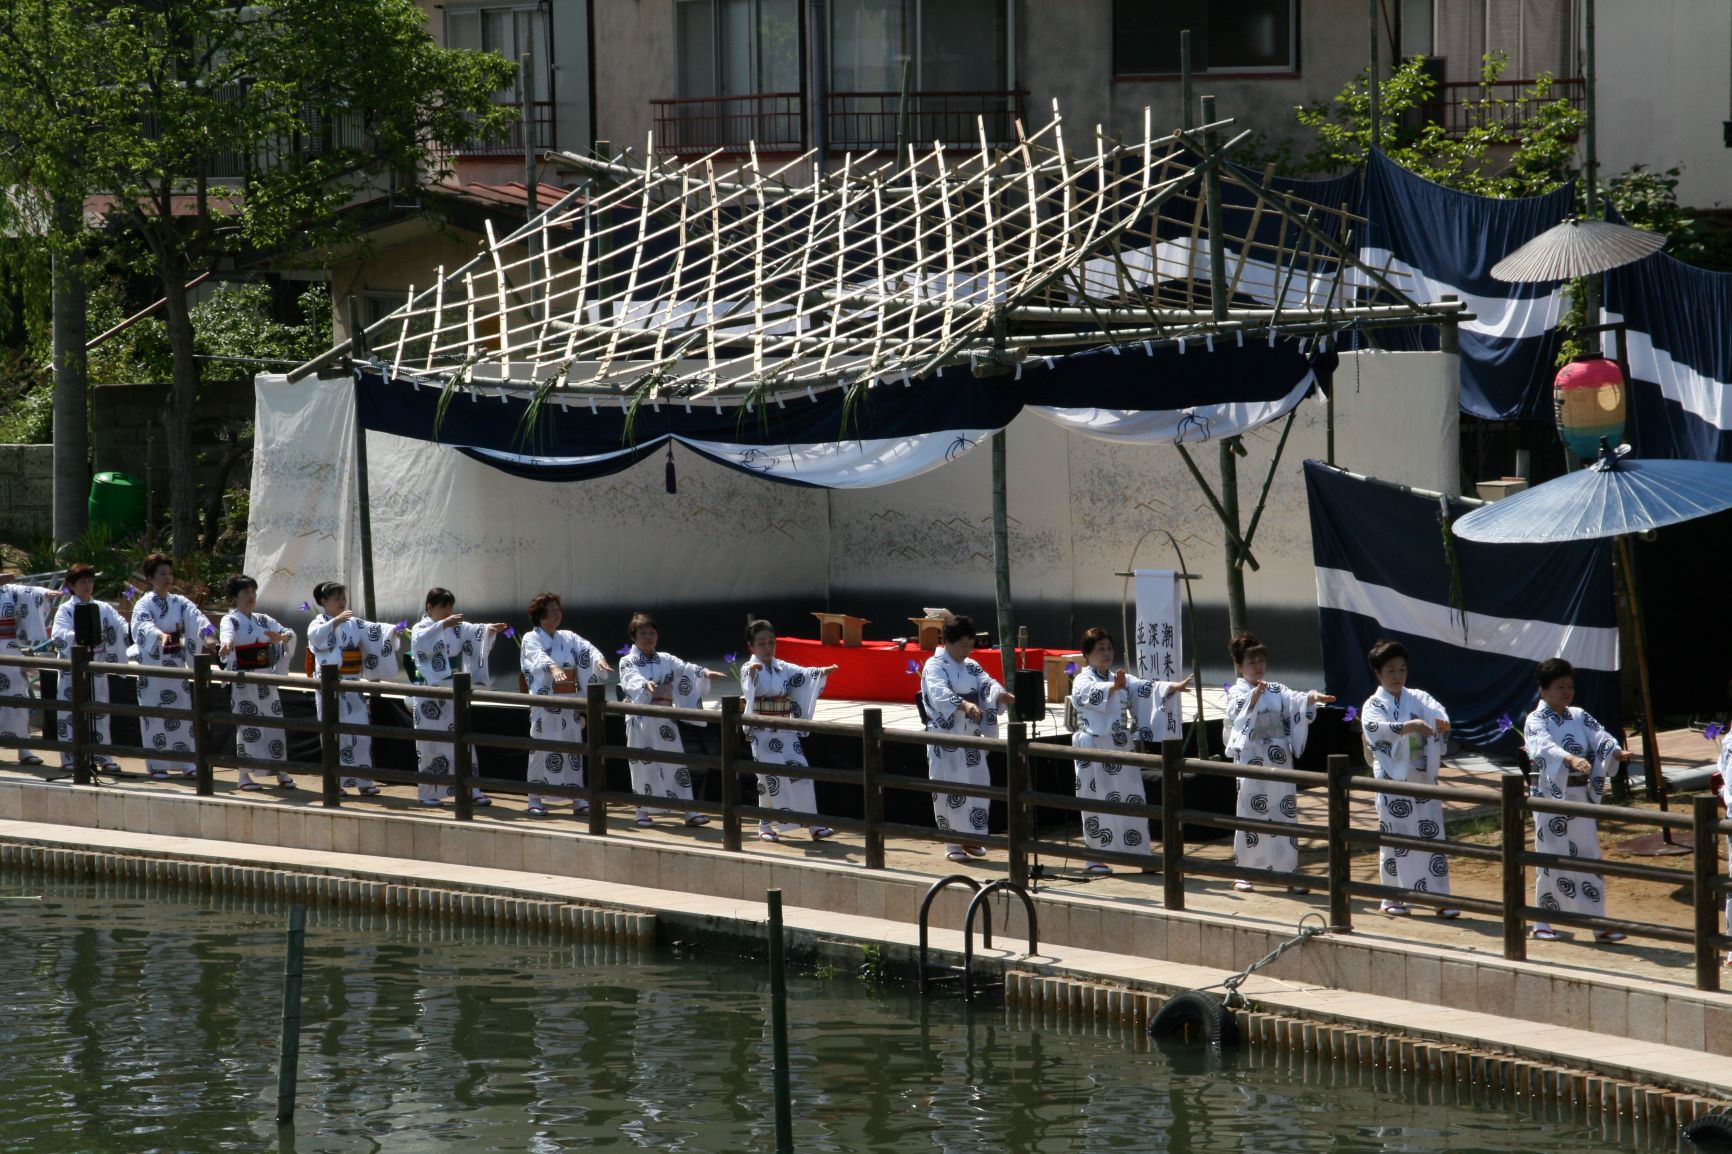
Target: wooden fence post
<point>78,713</point>
<point>1016,784</point>
<point>461,767</point>
<point>733,743</point>
<point>1172,827</point>
<point>1705,814</point>
<point>1340,850</point>
<point>201,703</point>
<point>871,785</point>
<point>595,773</point>
<point>1515,886</point>
<point>330,741</point>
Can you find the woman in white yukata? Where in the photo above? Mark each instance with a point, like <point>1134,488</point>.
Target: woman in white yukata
<point>649,677</point>
<point>1572,757</point>
<point>776,689</point>
<point>81,580</point>
<point>359,649</point>
<point>958,696</point>
<point>1267,724</point>
<point>445,644</point>
<point>23,623</point>
<point>1724,779</point>
<point>252,642</point>
<point>168,631</point>
<point>557,663</point>
<point>1102,695</point>
<point>1404,731</point>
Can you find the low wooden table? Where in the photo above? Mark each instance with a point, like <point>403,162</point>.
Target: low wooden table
<point>928,631</point>
<point>1057,680</point>
<point>839,628</point>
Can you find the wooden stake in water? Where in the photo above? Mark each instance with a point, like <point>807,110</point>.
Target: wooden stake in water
<point>779,1028</point>
<point>290,1060</point>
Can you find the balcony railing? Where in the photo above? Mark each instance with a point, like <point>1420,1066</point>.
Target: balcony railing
<point>776,121</point>
<point>509,140</point>
<point>861,120</point>
<point>693,126</point>
<point>1462,108</point>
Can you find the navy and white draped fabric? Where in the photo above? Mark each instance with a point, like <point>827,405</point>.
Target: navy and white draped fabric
<point>894,432</point>
<point>1381,572</point>
<point>1680,356</point>
<point>1438,241</point>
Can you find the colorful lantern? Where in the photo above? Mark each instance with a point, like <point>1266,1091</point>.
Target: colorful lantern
<point>1588,401</point>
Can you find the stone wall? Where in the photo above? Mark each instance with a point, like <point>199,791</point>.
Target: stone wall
<point>26,493</point>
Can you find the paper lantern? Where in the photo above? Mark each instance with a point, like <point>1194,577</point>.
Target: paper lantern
<point>1588,401</point>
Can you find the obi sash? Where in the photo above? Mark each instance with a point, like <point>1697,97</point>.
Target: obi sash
<point>778,706</point>
<point>1266,724</point>
<point>566,687</point>
<point>254,656</point>
<point>8,629</point>
<point>171,642</point>
<point>351,666</point>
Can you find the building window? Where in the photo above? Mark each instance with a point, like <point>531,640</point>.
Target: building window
<point>950,45</point>
<point>737,47</point>
<point>509,31</point>
<point>1226,36</point>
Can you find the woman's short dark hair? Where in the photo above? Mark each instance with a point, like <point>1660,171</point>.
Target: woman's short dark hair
<point>1383,652</point>
<point>437,597</point>
<point>540,604</point>
<point>325,590</point>
<point>154,562</point>
<point>640,621</point>
<point>1245,647</point>
<point>241,581</point>
<point>78,572</point>
<point>1093,637</point>
<point>755,627</point>
<point>959,627</point>
<point>1551,669</point>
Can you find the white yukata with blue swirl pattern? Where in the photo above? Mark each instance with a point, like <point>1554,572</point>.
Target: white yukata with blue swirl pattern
<point>1549,736</point>
<point>945,684</point>
<point>542,653</point>
<point>1100,713</point>
<point>678,683</point>
<point>1411,757</point>
<point>801,685</point>
<point>1272,734</point>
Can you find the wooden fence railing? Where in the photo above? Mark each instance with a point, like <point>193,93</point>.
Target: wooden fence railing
<point>1021,841</point>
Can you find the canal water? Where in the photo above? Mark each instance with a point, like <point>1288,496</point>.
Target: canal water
<point>137,1020</point>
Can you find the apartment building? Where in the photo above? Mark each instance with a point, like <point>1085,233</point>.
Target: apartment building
<point>791,75</point>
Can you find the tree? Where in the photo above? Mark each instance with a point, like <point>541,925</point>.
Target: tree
<point>134,110</point>
<point>1499,155</point>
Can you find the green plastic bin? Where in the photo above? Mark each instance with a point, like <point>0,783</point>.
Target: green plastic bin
<point>117,502</point>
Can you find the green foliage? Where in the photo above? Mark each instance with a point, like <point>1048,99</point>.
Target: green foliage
<point>1536,156</point>
<point>872,966</point>
<point>26,402</point>
<point>114,560</point>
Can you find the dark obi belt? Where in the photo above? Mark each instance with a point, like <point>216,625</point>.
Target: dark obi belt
<point>255,656</point>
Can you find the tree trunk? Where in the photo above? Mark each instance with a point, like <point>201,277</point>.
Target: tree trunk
<point>183,469</point>
<point>71,382</point>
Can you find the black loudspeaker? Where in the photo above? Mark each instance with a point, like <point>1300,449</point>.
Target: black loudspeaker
<point>87,625</point>
<point>1029,685</point>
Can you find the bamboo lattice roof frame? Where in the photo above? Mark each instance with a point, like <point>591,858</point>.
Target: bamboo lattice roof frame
<point>675,282</point>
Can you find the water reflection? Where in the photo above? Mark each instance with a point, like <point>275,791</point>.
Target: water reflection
<point>135,1020</point>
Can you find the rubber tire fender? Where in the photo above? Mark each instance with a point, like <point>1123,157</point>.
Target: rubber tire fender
<point>1711,1131</point>
<point>1213,1020</point>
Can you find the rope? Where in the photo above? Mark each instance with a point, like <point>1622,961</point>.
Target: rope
<point>1233,999</point>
